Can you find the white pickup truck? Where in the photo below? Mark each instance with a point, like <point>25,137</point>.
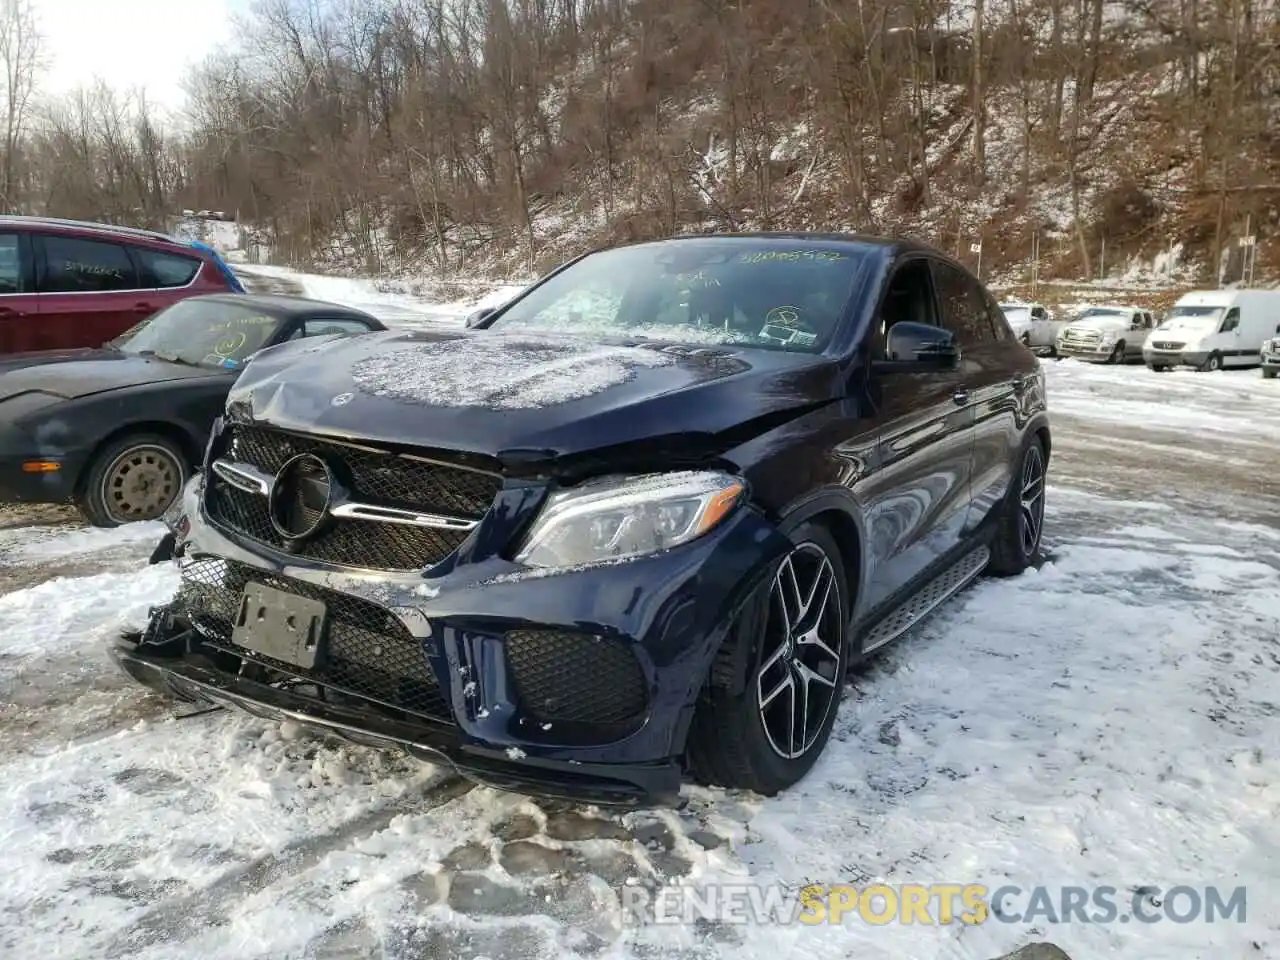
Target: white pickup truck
<point>1033,325</point>
<point>1107,334</point>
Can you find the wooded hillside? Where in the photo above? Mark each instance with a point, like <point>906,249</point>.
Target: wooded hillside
<point>446,134</point>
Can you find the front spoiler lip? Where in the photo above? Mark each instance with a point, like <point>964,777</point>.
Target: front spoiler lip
<point>632,784</point>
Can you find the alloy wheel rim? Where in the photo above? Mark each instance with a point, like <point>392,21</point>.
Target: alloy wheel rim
<point>798,679</point>
<point>140,484</point>
<point>1031,501</point>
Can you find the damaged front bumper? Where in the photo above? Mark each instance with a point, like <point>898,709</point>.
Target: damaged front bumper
<point>463,667</point>
<point>166,663</point>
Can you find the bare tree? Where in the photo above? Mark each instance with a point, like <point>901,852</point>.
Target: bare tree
<point>22,61</point>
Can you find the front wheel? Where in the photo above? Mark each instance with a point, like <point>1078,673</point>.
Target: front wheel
<point>136,477</point>
<point>1117,355</point>
<point>1269,374</point>
<point>1213,363</point>
<point>768,736</point>
<point>1021,524</point>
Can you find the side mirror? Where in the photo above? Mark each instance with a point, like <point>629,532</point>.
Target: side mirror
<point>918,348</point>
<point>477,318</point>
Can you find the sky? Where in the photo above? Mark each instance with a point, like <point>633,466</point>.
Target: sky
<point>131,43</point>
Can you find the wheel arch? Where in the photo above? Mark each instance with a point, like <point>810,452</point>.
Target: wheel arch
<point>837,511</point>
<point>189,446</point>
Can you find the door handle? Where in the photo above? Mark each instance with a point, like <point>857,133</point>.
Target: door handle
<point>143,308</point>
<point>961,396</point>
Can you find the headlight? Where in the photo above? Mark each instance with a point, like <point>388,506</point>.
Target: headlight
<point>1108,336</point>
<point>616,518</point>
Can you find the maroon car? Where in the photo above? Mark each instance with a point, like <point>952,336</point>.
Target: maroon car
<point>66,283</point>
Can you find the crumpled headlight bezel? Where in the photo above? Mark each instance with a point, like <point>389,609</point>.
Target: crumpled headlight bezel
<point>697,501</point>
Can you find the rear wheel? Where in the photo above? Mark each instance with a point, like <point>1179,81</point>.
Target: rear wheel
<point>134,478</point>
<point>1017,540</point>
<point>769,735</point>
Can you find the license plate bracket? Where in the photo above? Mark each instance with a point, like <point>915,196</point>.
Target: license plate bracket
<point>281,625</point>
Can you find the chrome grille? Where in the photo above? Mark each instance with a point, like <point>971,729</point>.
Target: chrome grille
<point>376,477</point>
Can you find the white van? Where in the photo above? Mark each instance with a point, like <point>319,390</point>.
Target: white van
<point>1212,329</point>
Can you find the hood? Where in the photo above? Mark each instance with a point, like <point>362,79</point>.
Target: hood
<point>1117,321</point>
<point>524,398</point>
<point>1191,326</point>
<point>77,374</point>
<point>35,358</point>
<point>1019,320</point>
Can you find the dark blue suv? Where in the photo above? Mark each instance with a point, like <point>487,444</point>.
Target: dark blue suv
<point>632,527</point>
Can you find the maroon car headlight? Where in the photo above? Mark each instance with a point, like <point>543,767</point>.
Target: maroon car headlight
<point>621,518</point>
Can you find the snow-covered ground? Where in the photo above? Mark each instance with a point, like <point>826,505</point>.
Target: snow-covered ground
<point>1110,719</point>
<point>392,308</point>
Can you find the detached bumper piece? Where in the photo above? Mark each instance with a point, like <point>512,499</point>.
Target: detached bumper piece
<point>374,686</point>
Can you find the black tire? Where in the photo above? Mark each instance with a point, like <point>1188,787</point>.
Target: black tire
<point>1214,362</point>
<point>1012,549</point>
<point>1158,367</point>
<point>730,744</point>
<point>1117,354</point>
<point>107,498</point>
<point>1269,374</point>
<point>1026,340</point>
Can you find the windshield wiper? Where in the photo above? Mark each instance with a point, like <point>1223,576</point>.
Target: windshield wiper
<point>167,357</point>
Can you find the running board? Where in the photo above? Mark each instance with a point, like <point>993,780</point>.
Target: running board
<point>925,600</point>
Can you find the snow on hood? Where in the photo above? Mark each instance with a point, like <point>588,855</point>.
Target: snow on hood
<point>525,396</point>
<point>1017,315</point>
<point>1102,321</point>
<point>528,372</point>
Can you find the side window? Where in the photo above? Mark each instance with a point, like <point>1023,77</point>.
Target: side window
<point>1232,320</point>
<point>907,299</point>
<point>73,265</point>
<point>166,269</point>
<point>10,263</point>
<point>964,306</point>
<point>999,323</point>
<point>321,327</point>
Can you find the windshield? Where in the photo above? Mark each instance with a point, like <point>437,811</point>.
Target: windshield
<point>1017,314</point>
<point>207,333</point>
<point>776,294</point>
<point>1109,312</point>
<point>1192,318</point>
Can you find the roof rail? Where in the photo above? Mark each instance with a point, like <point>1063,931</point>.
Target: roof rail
<point>85,225</point>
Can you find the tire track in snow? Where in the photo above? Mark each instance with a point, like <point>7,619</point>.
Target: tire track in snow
<point>184,918</point>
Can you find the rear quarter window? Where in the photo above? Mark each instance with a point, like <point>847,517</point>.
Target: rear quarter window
<point>166,269</point>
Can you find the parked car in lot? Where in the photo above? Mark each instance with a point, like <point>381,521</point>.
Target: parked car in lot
<point>117,430</point>
<point>635,524</point>
<point>1107,334</point>
<point>1213,329</point>
<point>1034,325</point>
<point>67,283</point>
<point>1270,354</point>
